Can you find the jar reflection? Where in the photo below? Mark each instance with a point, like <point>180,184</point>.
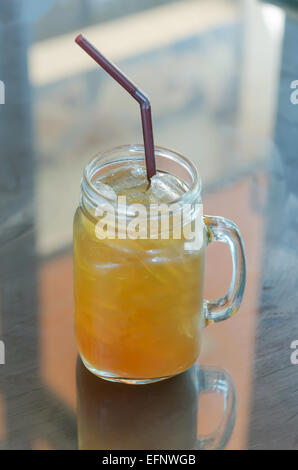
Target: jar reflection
<point>161,415</point>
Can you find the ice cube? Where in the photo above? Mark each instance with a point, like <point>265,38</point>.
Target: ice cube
<point>105,190</point>
<point>165,188</point>
<point>130,178</point>
<point>138,171</point>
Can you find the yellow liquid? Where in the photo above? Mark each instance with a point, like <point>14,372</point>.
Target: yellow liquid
<point>138,303</point>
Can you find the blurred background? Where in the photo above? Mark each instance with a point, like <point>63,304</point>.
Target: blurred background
<point>199,61</point>
<point>212,71</point>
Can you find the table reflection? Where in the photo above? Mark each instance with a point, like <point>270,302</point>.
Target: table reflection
<point>161,415</point>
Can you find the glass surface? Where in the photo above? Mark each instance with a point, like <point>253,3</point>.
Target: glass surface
<point>220,75</point>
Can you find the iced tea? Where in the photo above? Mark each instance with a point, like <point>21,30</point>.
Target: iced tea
<point>138,302</point>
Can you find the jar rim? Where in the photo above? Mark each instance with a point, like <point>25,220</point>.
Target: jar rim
<point>102,159</point>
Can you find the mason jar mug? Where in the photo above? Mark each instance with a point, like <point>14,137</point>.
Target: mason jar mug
<point>139,306</point>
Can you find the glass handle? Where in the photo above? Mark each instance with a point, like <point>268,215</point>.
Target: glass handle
<point>224,230</point>
<point>216,380</point>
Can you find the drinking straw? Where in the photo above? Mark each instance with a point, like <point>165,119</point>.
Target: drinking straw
<point>135,92</point>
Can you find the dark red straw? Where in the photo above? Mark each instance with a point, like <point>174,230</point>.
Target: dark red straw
<point>135,92</point>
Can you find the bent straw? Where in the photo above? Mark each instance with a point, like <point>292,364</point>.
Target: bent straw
<point>135,92</point>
